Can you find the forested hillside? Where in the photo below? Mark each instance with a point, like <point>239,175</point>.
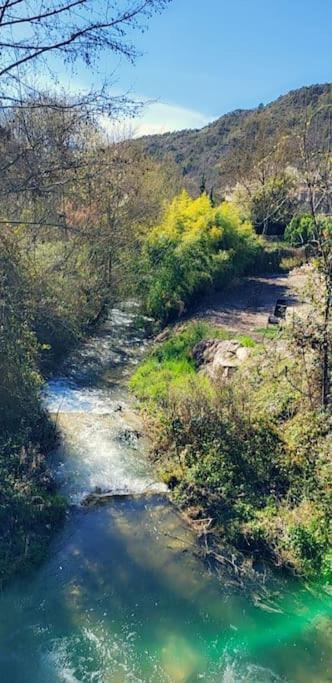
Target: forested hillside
<point>230,146</point>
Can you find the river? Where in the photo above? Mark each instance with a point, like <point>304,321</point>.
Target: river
<point>123,595</point>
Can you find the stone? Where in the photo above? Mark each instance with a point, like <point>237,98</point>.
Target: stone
<point>162,336</point>
<point>273,320</point>
<point>219,358</point>
<point>129,436</point>
<point>242,353</point>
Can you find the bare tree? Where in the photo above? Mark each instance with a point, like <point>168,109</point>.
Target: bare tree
<point>74,29</point>
<point>36,160</point>
<point>316,172</point>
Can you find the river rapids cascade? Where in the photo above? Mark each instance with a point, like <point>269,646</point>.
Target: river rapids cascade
<point>123,596</point>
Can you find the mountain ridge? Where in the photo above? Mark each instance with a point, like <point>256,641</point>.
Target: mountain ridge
<point>206,151</point>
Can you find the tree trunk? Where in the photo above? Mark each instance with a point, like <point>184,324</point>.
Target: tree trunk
<point>326,352</point>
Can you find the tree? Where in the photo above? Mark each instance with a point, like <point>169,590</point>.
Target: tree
<point>266,188</point>
<point>273,203</point>
<point>316,172</point>
<point>300,230</point>
<point>73,29</point>
<point>53,151</point>
<point>31,32</point>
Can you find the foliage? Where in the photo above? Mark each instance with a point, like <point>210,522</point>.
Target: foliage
<point>300,230</point>
<point>253,455</point>
<point>29,507</point>
<point>20,380</point>
<point>272,204</point>
<point>195,248</point>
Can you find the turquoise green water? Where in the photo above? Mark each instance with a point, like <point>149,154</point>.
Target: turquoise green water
<point>123,595</point>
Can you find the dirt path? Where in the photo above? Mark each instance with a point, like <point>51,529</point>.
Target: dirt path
<point>247,305</point>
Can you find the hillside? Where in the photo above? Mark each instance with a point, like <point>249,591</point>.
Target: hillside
<point>216,150</point>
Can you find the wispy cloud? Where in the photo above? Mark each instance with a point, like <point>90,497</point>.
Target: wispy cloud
<point>157,117</point>
<point>160,117</point>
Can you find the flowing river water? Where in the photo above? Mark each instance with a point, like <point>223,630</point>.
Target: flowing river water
<point>123,596</point>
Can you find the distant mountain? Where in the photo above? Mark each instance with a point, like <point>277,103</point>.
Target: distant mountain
<point>215,150</point>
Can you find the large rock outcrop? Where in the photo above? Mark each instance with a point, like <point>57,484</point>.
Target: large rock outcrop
<point>220,358</point>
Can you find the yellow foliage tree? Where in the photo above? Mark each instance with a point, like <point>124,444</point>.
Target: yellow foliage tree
<point>196,247</point>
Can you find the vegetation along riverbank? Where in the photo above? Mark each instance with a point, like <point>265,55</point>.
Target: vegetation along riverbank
<point>240,438</point>
<point>241,423</point>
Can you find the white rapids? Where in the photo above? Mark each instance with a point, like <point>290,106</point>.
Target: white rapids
<point>102,442</point>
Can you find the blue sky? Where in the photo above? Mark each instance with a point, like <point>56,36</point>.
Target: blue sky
<point>203,59</point>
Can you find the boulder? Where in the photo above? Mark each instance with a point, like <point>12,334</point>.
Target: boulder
<point>220,358</point>
<point>129,437</point>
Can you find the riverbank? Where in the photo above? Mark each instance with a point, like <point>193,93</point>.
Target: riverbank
<point>245,450</point>
<point>32,509</point>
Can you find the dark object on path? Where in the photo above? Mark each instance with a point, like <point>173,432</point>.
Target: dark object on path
<point>280,308</point>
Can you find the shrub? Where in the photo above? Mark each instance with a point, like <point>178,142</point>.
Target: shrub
<point>196,247</point>
<point>272,204</point>
<point>29,508</point>
<point>300,230</point>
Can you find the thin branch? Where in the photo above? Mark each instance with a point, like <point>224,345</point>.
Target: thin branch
<point>45,15</point>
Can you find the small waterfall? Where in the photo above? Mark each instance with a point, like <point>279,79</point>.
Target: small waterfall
<point>102,443</point>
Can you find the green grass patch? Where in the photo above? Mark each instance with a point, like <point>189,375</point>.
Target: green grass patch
<point>268,332</point>
<point>170,364</point>
<point>247,341</point>
<point>153,379</point>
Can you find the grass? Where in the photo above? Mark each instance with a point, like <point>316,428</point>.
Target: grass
<point>153,378</point>
<point>268,332</point>
<point>171,364</point>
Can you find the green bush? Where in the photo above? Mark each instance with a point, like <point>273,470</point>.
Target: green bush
<point>300,230</point>
<point>196,247</point>
<point>272,204</point>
